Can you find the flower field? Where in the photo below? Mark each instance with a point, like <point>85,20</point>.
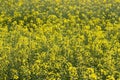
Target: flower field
<point>59,39</point>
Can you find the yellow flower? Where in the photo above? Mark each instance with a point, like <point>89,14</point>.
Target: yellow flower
<point>93,76</point>
<point>87,27</point>
<point>15,77</point>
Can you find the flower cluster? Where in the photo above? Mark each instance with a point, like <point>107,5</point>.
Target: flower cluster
<point>60,40</point>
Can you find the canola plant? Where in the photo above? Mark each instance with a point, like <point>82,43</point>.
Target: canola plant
<point>59,39</point>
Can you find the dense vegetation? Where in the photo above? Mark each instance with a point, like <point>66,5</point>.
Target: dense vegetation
<point>60,39</point>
